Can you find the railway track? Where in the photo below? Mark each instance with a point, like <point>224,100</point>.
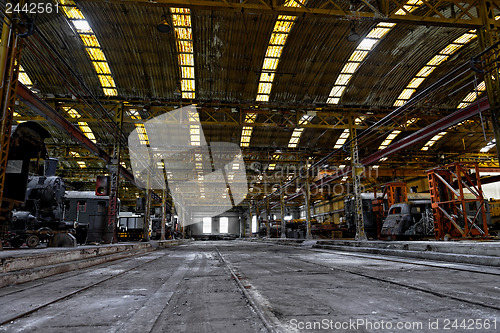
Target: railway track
<point>72,293</point>
<point>331,268</point>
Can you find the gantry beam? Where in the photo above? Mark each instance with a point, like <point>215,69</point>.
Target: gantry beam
<point>431,12</point>
<point>46,111</point>
<point>419,136</point>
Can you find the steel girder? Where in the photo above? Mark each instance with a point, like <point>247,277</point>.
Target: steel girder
<point>46,111</point>
<point>407,142</point>
<point>431,12</point>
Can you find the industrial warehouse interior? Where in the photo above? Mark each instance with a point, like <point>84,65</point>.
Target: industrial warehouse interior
<point>250,166</point>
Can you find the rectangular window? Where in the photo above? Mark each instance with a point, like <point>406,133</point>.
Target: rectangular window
<point>207,225</point>
<point>81,206</point>
<point>254,224</point>
<point>223,225</point>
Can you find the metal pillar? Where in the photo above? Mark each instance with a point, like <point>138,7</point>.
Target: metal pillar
<point>268,215</point>
<point>356,169</point>
<point>307,198</point>
<point>163,214</point>
<point>257,211</point>
<point>10,53</point>
<point>147,215</point>
<point>114,168</point>
<point>282,207</point>
<point>488,36</point>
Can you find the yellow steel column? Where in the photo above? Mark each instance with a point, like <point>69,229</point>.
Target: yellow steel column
<point>10,52</point>
<point>488,35</point>
<point>163,214</point>
<point>114,168</point>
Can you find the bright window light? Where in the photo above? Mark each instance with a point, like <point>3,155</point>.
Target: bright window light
<point>223,225</point>
<point>254,224</point>
<point>207,225</point>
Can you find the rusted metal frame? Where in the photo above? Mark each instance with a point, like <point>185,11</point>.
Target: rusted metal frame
<point>408,141</point>
<point>432,8</point>
<point>282,210</point>
<point>452,220</point>
<point>46,111</point>
<point>335,4</point>
<point>375,10</point>
<point>114,166</point>
<point>465,11</point>
<point>297,11</point>
<point>488,36</point>
<point>461,197</point>
<point>398,7</point>
<point>10,55</point>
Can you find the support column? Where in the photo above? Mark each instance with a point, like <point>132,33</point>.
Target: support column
<point>282,207</point>
<point>163,214</point>
<point>268,214</point>
<point>488,35</point>
<point>257,211</point>
<point>10,53</point>
<point>307,198</point>
<point>114,167</point>
<point>147,215</point>
<point>357,169</point>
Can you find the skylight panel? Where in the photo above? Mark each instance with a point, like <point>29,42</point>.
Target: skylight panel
<point>367,44</point>
<point>71,112</point>
<point>283,26</point>
<point>297,132</point>
<point>270,64</point>
<point>277,40</point>
<point>426,71</point>
<point>274,51</point>
<point>415,82</point>
<point>106,81</point>
<point>343,79</point>
<point>342,139</point>
<point>451,48</point>
<point>91,44</point>
<point>378,33</point>
<point>82,26</point>
<point>358,55</point>
<point>433,140</point>
<point>84,127</point>
<point>181,22</point>
<point>406,94</point>
<point>472,96</point>
<point>266,77</point>
<point>465,38</point>
<point>350,67</point>
<point>81,164</point>
<point>264,88</point>
<point>262,98</point>
<point>24,78</point>
<point>96,54</point>
<point>186,59</point>
<point>337,91</point>
<point>488,146</point>
<point>437,60</point>
<point>101,67</point>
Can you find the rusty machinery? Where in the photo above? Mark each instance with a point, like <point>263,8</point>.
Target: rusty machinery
<point>456,214</point>
<point>394,192</point>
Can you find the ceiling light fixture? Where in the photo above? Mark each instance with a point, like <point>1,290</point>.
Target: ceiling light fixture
<point>163,26</point>
<point>353,35</point>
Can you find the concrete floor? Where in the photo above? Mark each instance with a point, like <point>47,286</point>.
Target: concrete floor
<point>255,287</point>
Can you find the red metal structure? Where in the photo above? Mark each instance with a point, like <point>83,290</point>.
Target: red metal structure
<point>395,192</point>
<point>454,214</point>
